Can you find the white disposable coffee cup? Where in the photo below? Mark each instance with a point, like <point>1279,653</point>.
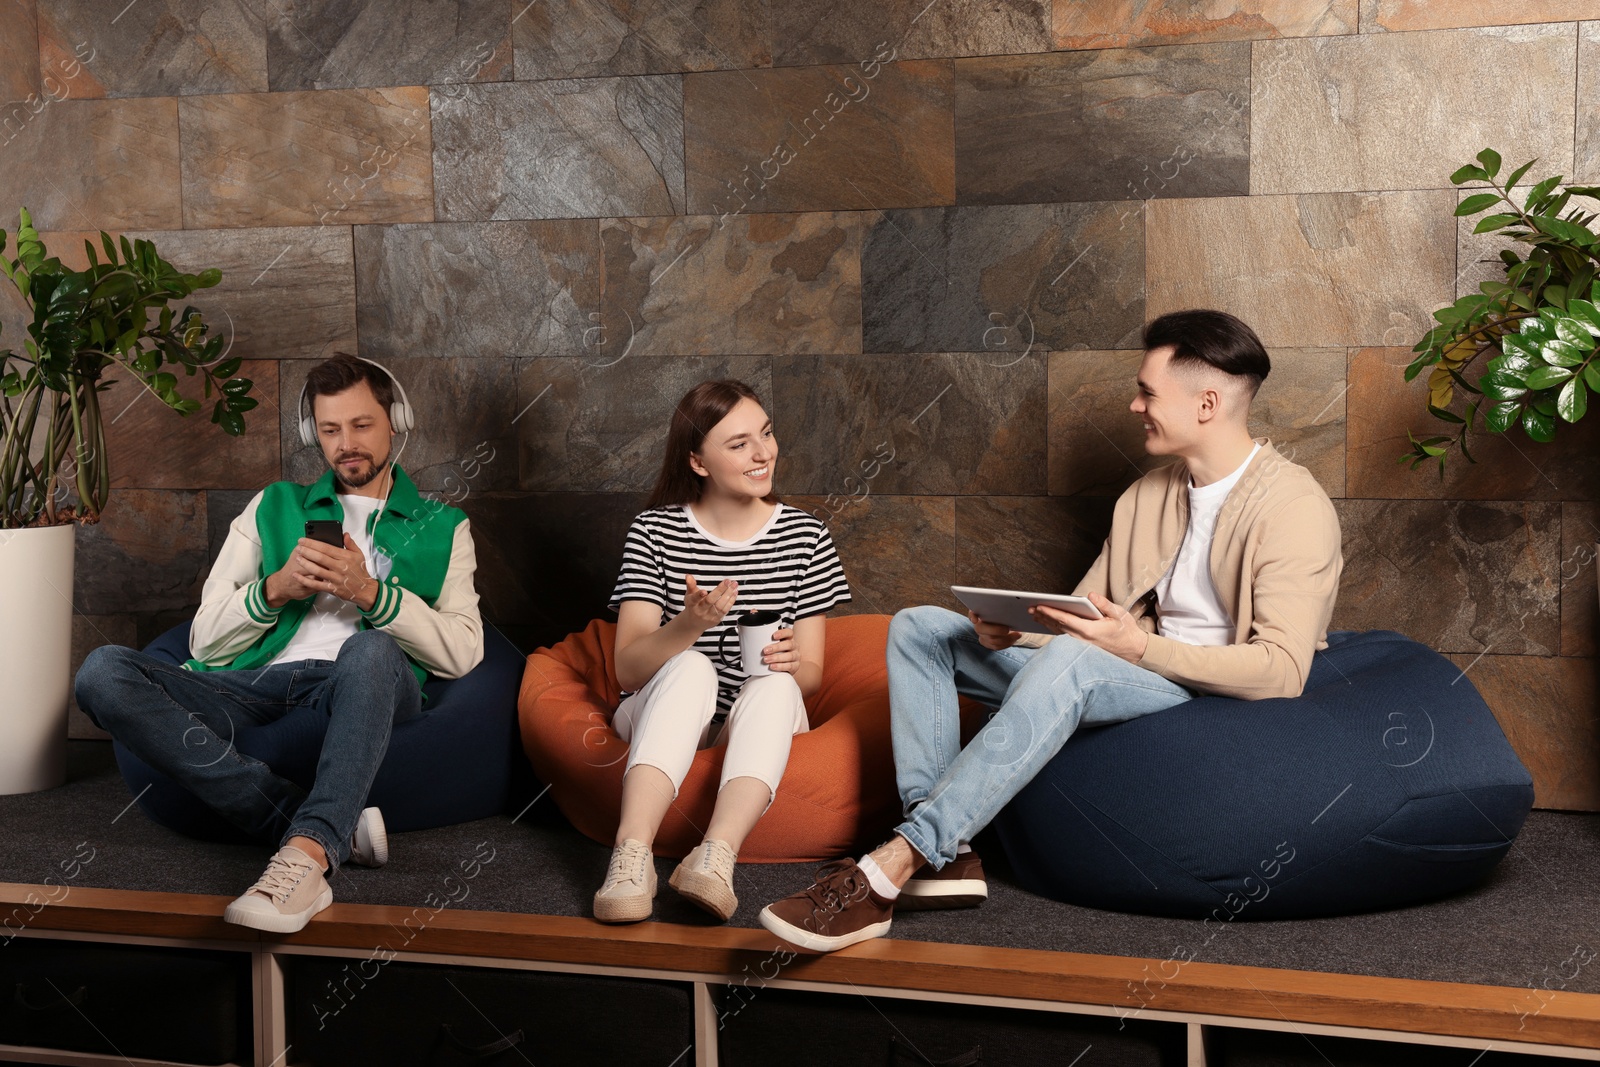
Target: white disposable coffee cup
<point>755,630</point>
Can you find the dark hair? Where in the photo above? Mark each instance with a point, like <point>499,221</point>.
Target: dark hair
<point>340,372</point>
<point>1214,338</point>
<point>700,409</point>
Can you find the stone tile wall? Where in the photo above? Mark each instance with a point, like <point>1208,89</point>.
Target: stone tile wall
<point>925,231</point>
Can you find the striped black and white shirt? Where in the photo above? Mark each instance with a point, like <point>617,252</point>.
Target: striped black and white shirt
<point>789,566</point>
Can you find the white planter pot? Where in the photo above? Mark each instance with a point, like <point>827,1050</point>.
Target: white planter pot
<point>35,656</point>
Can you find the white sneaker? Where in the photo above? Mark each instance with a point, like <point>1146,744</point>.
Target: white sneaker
<point>706,877</point>
<point>285,898</point>
<point>370,846</point>
<point>629,892</point>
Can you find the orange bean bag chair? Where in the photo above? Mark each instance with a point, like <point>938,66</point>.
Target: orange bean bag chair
<point>837,795</point>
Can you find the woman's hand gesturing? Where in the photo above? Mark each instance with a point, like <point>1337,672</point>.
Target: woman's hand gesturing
<point>706,607</point>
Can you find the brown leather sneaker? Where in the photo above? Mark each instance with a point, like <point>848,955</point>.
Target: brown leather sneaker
<point>839,909</point>
<point>958,884</point>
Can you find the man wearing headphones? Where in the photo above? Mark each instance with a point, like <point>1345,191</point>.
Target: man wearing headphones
<point>286,620</point>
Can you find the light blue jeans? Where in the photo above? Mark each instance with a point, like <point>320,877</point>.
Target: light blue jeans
<point>949,793</point>
<point>182,723</point>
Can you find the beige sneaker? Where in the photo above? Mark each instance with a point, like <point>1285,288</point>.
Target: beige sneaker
<point>706,877</point>
<point>285,898</point>
<point>629,892</point>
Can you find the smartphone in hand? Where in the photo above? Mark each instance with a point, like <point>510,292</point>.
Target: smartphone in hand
<point>328,531</point>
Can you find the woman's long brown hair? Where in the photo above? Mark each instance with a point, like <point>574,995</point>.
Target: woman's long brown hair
<point>700,409</point>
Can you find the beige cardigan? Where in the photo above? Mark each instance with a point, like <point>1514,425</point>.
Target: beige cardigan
<point>1275,560</point>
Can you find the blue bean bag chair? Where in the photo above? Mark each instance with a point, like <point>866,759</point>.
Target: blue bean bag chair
<point>460,760</point>
<point>1387,782</point>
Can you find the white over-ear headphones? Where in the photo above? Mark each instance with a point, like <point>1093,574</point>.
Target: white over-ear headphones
<point>401,418</point>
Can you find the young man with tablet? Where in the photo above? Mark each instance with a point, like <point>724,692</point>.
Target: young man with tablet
<point>1219,577</point>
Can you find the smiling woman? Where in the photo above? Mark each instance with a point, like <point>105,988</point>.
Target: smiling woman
<point>714,547</point>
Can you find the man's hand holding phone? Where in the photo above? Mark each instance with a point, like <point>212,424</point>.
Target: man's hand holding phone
<point>315,566</point>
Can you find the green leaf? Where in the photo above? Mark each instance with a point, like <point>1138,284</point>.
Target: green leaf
<point>1468,173</point>
<point>1573,401</point>
<point>1516,175</point>
<point>1537,330</point>
<point>241,403</point>
<point>1491,222</point>
<point>238,386</point>
<point>208,278</point>
<point>1591,375</point>
<point>1514,343</point>
<point>1444,415</point>
<point>1476,203</point>
<point>1490,160</point>
<point>1573,332</point>
<point>1542,190</point>
<point>1562,354</point>
<point>1502,385</point>
<point>1545,377</point>
<point>1585,313</point>
<point>1501,416</point>
<point>232,422</point>
<point>1539,426</point>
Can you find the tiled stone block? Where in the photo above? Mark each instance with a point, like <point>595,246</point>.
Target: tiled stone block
<point>897,551</point>
<point>329,44</point>
<point>92,164</point>
<point>334,157</point>
<point>1580,608</point>
<point>1380,16</point>
<point>559,149</point>
<point>1308,271</point>
<point>463,443</point>
<point>593,38</point>
<point>157,47</point>
<point>1125,124</point>
<point>1339,113</point>
<point>1586,167</point>
<point>752,284</point>
<point>815,138</point>
<point>838,31</point>
<point>1097,444</point>
<point>547,562</point>
<point>1459,576</point>
<point>1038,543</point>
<point>147,554</point>
<point>485,289</point>
<point>153,447</point>
<point>1135,22</point>
<point>19,52</point>
<point>286,292</point>
<point>915,424</point>
<point>1004,279</point>
<point>222,507</point>
<point>89,632</point>
<point>1383,407</point>
<point>1547,709</point>
<point>594,425</point>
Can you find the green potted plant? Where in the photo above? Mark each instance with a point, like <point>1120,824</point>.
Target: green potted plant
<point>113,315</point>
<point>1536,330</point>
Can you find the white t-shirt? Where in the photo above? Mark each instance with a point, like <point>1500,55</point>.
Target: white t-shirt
<point>1186,598</point>
<point>331,621</point>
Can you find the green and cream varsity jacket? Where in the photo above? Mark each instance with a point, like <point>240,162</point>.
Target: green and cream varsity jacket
<point>426,599</point>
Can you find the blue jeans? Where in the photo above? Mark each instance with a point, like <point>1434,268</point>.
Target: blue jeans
<point>182,723</point>
<point>949,793</point>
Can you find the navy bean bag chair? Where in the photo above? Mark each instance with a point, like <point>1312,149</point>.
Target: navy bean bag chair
<point>460,760</point>
<point>1387,782</point>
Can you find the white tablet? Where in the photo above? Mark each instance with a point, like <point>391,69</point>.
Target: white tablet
<point>1009,607</point>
